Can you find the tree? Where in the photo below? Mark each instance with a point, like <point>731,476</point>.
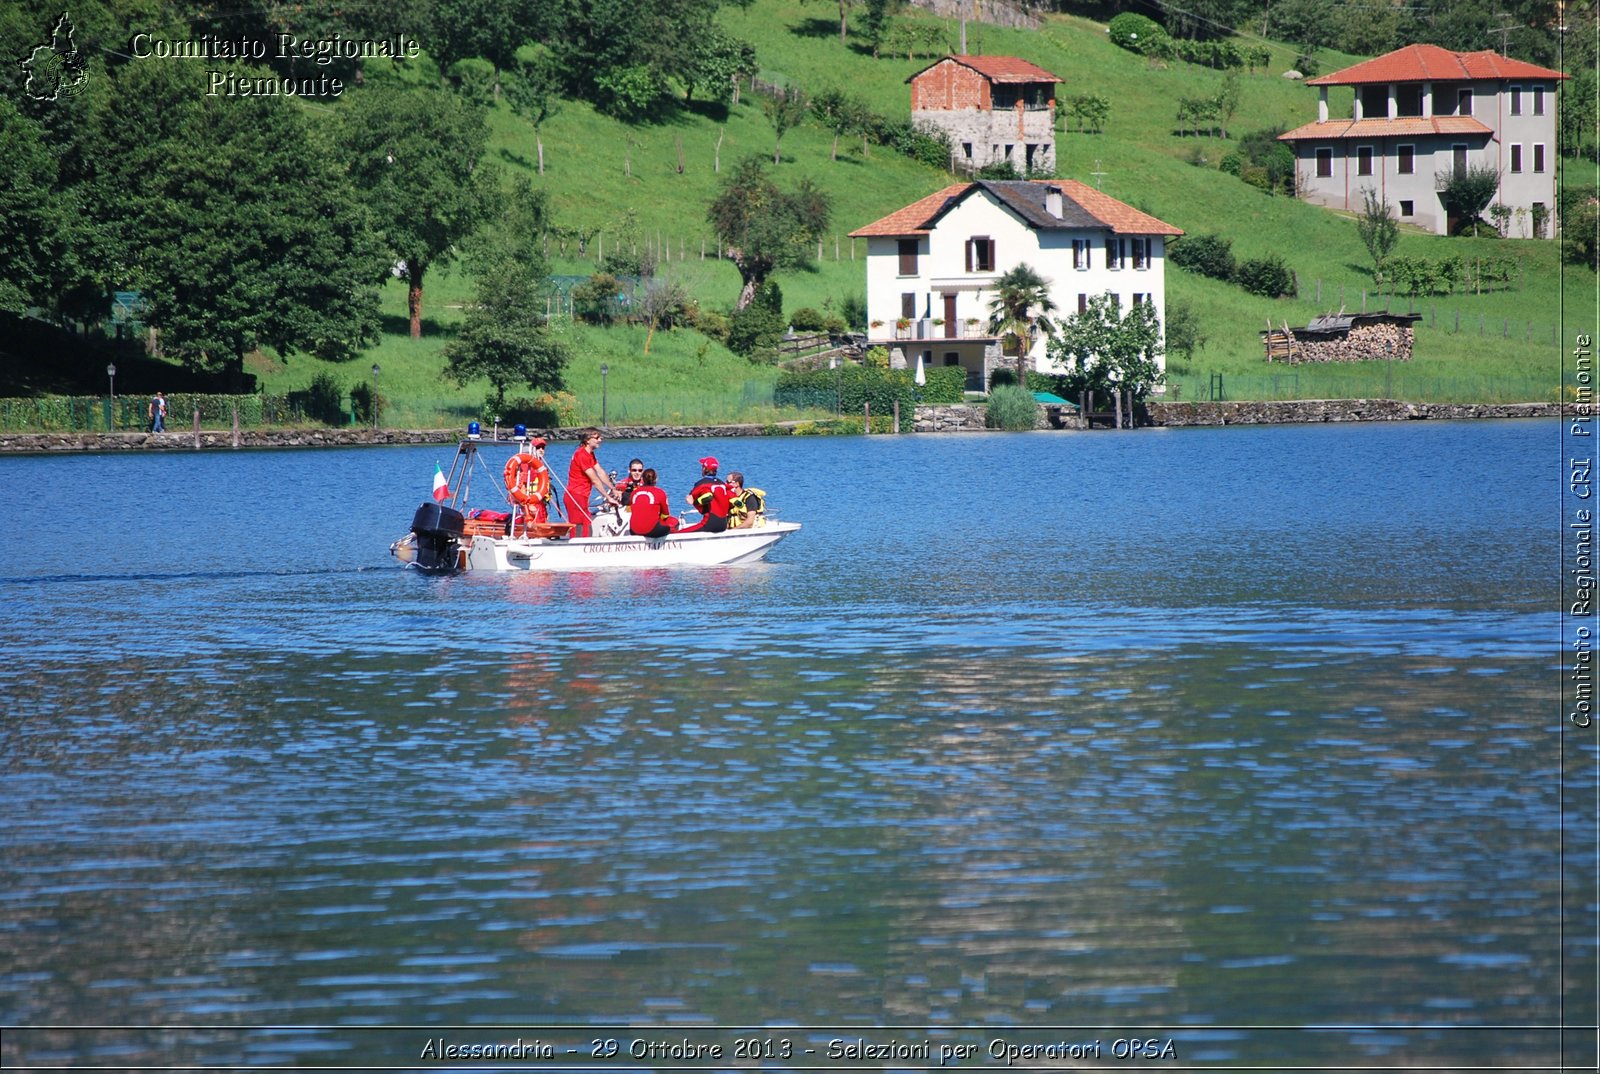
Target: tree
<point>1227,99</point>
<point>786,110</point>
<point>531,89</point>
<point>414,155</point>
<point>839,112</point>
<point>1379,230</point>
<point>764,228</point>
<point>1185,334</point>
<point>31,228</point>
<point>1103,349</point>
<point>1467,194</point>
<point>505,338</point>
<point>1021,307</point>
<point>878,21</point>
<point>250,236</point>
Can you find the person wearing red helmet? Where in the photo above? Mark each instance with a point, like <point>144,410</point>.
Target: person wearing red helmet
<point>710,497</point>
<point>528,487</point>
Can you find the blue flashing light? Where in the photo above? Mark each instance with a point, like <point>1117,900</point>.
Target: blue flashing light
<point>520,431</point>
<point>474,430</point>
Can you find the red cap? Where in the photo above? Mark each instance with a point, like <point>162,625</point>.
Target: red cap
<point>539,441</point>
<point>710,462</point>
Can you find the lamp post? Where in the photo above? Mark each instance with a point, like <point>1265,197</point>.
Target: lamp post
<point>111,379</point>
<point>604,370</point>
<point>375,372</point>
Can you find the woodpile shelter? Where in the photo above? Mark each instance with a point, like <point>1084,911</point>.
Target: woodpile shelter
<point>1344,337</point>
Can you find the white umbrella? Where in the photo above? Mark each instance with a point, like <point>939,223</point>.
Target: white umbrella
<point>921,377</point>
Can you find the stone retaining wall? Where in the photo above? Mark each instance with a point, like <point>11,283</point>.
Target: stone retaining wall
<point>950,418</point>
<point>1284,412</point>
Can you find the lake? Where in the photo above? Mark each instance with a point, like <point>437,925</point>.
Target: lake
<point>1213,747</point>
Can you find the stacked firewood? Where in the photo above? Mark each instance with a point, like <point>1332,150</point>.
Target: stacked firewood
<point>1362,343</point>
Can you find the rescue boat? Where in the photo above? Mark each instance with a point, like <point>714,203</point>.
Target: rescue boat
<point>446,536</point>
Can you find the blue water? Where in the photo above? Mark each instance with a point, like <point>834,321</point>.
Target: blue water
<point>1211,736</point>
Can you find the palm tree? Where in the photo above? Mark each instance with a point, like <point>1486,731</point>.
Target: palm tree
<point>1021,307</point>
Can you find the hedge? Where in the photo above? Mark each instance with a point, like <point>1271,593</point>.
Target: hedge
<point>87,413</point>
<point>852,386</point>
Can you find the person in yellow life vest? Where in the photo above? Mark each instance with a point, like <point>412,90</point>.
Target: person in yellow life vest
<point>746,506</point>
<point>528,486</point>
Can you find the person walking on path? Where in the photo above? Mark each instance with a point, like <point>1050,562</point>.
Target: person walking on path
<point>582,478</point>
<point>158,413</point>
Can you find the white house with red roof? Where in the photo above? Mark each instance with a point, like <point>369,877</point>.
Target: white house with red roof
<point>932,265</point>
<point>1423,113</point>
<point>993,108</point>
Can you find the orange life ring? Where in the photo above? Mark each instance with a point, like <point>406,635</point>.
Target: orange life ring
<point>528,486</point>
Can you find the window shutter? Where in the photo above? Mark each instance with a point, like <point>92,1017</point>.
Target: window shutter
<point>969,255</point>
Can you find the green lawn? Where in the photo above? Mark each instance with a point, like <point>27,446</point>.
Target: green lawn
<point>648,186</point>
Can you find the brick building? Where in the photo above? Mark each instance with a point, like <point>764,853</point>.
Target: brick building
<point>994,108</point>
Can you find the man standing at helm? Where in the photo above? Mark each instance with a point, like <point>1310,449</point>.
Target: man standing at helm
<point>528,486</point>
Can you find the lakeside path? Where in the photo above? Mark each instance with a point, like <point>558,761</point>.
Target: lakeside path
<point>1163,415</point>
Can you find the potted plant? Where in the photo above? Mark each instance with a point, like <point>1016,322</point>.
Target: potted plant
<point>903,325</point>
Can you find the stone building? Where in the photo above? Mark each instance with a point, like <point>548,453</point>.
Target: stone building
<point>994,108</point>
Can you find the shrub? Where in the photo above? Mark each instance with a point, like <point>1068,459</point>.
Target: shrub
<point>755,332</point>
<point>1306,63</point>
<point>1265,276</point>
<point>806,319</point>
<point>475,79</point>
<point>712,323</point>
<point>550,410</point>
<point>1011,407</point>
<point>1210,255</point>
<point>323,401</point>
<point>1134,32</point>
<point>596,299</point>
<point>999,170</point>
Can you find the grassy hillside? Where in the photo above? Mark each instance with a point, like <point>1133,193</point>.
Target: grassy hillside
<point>648,185</point>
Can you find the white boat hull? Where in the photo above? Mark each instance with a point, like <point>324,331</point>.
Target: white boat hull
<point>626,552</point>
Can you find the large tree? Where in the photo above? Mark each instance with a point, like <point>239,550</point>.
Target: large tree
<point>249,236</point>
<point>1021,307</point>
<point>414,158</point>
<point>1379,230</point>
<point>31,224</point>
<point>763,228</point>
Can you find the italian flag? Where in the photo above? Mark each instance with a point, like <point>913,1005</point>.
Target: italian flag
<point>441,491</point>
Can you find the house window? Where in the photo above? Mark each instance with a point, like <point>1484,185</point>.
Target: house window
<point>1080,253</point>
<point>1408,208</point>
<point>1009,148</point>
<point>908,257</point>
<point>1116,252</point>
<point>1141,253</point>
<point>1516,157</point>
<point>1464,102</point>
<point>1027,155</point>
<point>1538,100</point>
<point>1541,219</point>
<point>1458,160</point>
<point>980,254</point>
<point>952,358</point>
<point>1538,156</point>
<point>1116,300</point>
<point>966,150</point>
<point>1083,302</point>
<point>1405,159</point>
<point>1324,163</point>
<point>1408,99</point>
<point>1141,299</point>
<point>908,305</point>
<point>1363,160</point>
<point>1516,100</point>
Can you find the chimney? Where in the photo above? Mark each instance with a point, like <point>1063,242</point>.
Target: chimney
<point>1052,201</point>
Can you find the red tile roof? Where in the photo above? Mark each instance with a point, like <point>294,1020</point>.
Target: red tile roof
<point>1386,128</point>
<point>998,68</point>
<point>919,217</point>
<point>1430,63</point>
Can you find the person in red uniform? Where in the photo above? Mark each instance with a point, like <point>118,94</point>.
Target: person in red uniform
<point>710,497</point>
<point>528,487</point>
<point>626,486</point>
<point>650,517</point>
<point>582,478</point>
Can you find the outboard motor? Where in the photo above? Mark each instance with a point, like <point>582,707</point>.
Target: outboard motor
<point>439,530</point>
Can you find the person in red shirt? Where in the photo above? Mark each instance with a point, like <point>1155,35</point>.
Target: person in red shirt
<point>649,516</point>
<point>626,486</point>
<point>710,497</point>
<point>583,475</point>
